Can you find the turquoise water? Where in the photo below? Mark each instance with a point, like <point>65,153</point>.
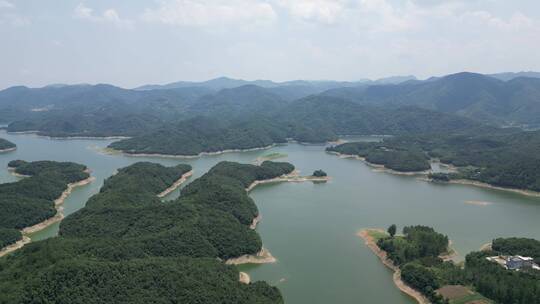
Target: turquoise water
<point>311,228</point>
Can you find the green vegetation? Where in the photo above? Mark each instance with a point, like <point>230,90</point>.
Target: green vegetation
<point>199,135</point>
<point>9,236</point>
<point>125,239</point>
<point>403,159</point>
<point>417,255</point>
<point>518,246</point>
<point>392,230</point>
<point>31,200</point>
<point>6,144</point>
<point>506,158</point>
<point>417,242</point>
<point>319,173</point>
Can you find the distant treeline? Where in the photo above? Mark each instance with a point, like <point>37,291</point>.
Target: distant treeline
<point>31,200</point>
<point>127,246</point>
<point>6,144</point>
<point>506,158</point>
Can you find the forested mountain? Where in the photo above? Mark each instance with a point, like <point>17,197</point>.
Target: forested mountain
<point>471,95</point>
<point>502,158</point>
<point>6,144</point>
<point>511,75</point>
<point>31,200</point>
<point>126,245</point>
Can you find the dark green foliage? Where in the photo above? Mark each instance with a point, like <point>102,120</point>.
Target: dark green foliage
<point>439,177</point>
<point>402,158</point>
<point>518,246</point>
<point>472,95</point>
<point>198,135</point>
<point>31,200</point>
<point>126,246</point>
<point>6,144</point>
<point>319,173</point>
<point>499,284</point>
<point>392,230</point>
<point>422,279</point>
<point>9,236</point>
<point>418,242</point>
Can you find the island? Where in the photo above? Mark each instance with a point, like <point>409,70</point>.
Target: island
<point>126,239</point>
<point>35,202</point>
<point>507,272</point>
<point>6,146</point>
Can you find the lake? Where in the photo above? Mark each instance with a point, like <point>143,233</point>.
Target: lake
<point>311,228</point>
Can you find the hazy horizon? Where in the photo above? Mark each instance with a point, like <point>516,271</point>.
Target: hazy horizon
<point>133,43</point>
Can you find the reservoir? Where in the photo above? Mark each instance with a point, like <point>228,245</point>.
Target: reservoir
<point>311,228</point>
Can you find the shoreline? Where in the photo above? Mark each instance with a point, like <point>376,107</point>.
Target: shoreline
<point>449,166</point>
<point>114,151</point>
<point>15,246</point>
<point>176,184</point>
<point>36,133</point>
<point>291,177</point>
<point>58,206</point>
<point>369,241</point>
<point>380,168</point>
<point>244,278</point>
<point>262,257</point>
<point>8,150</point>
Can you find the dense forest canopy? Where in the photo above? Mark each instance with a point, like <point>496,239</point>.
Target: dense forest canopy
<point>417,254</point>
<point>31,200</point>
<point>6,144</point>
<point>128,239</point>
<point>505,158</point>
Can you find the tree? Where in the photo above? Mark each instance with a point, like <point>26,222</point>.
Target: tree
<point>392,230</point>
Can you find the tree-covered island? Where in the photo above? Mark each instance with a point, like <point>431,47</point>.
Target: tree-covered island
<point>417,255</point>
<point>31,200</point>
<point>126,239</point>
<point>6,145</point>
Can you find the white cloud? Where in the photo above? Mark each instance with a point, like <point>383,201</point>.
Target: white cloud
<point>108,16</point>
<point>243,13</point>
<point>324,11</point>
<point>6,4</point>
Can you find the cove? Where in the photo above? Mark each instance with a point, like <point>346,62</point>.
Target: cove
<point>311,228</point>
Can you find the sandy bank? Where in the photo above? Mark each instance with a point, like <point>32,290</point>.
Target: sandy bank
<point>114,151</point>
<point>486,247</point>
<point>255,221</point>
<point>478,203</point>
<point>36,133</point>
<point>371,243</point>
<point>176,184</point>
<point>484,185</point>
<point>291,177</point>
<point>58,205</point>
<point>451,254</point>
<point>18,245</point>
<point>380,168</point>
<point>262,257</point>
<point>8,150</point>
<point>244,278</point>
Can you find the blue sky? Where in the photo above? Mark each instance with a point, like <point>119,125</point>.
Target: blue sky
<point>133,42</point>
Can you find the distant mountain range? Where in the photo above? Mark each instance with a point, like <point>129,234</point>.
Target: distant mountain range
<point>103,109</point>
<point>228,83</point>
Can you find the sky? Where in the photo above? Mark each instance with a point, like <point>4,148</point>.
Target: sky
<point>133,42</point>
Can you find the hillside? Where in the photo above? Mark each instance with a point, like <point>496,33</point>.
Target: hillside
<point>471,95</point>
<point>125,239</point>
<point>6,144</point>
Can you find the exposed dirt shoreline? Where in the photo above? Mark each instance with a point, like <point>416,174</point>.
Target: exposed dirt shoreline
<point>59,208</point>
<point>15,246</point>
<point>36,133</point>
<point>114,151</point>
<point>264,256</point>
<point>8,150</point>
<point>371,243</point>
<point>381,168</point>
<point>176,184</point>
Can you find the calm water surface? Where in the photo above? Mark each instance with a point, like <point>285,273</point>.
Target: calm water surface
<point>311,228</point>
